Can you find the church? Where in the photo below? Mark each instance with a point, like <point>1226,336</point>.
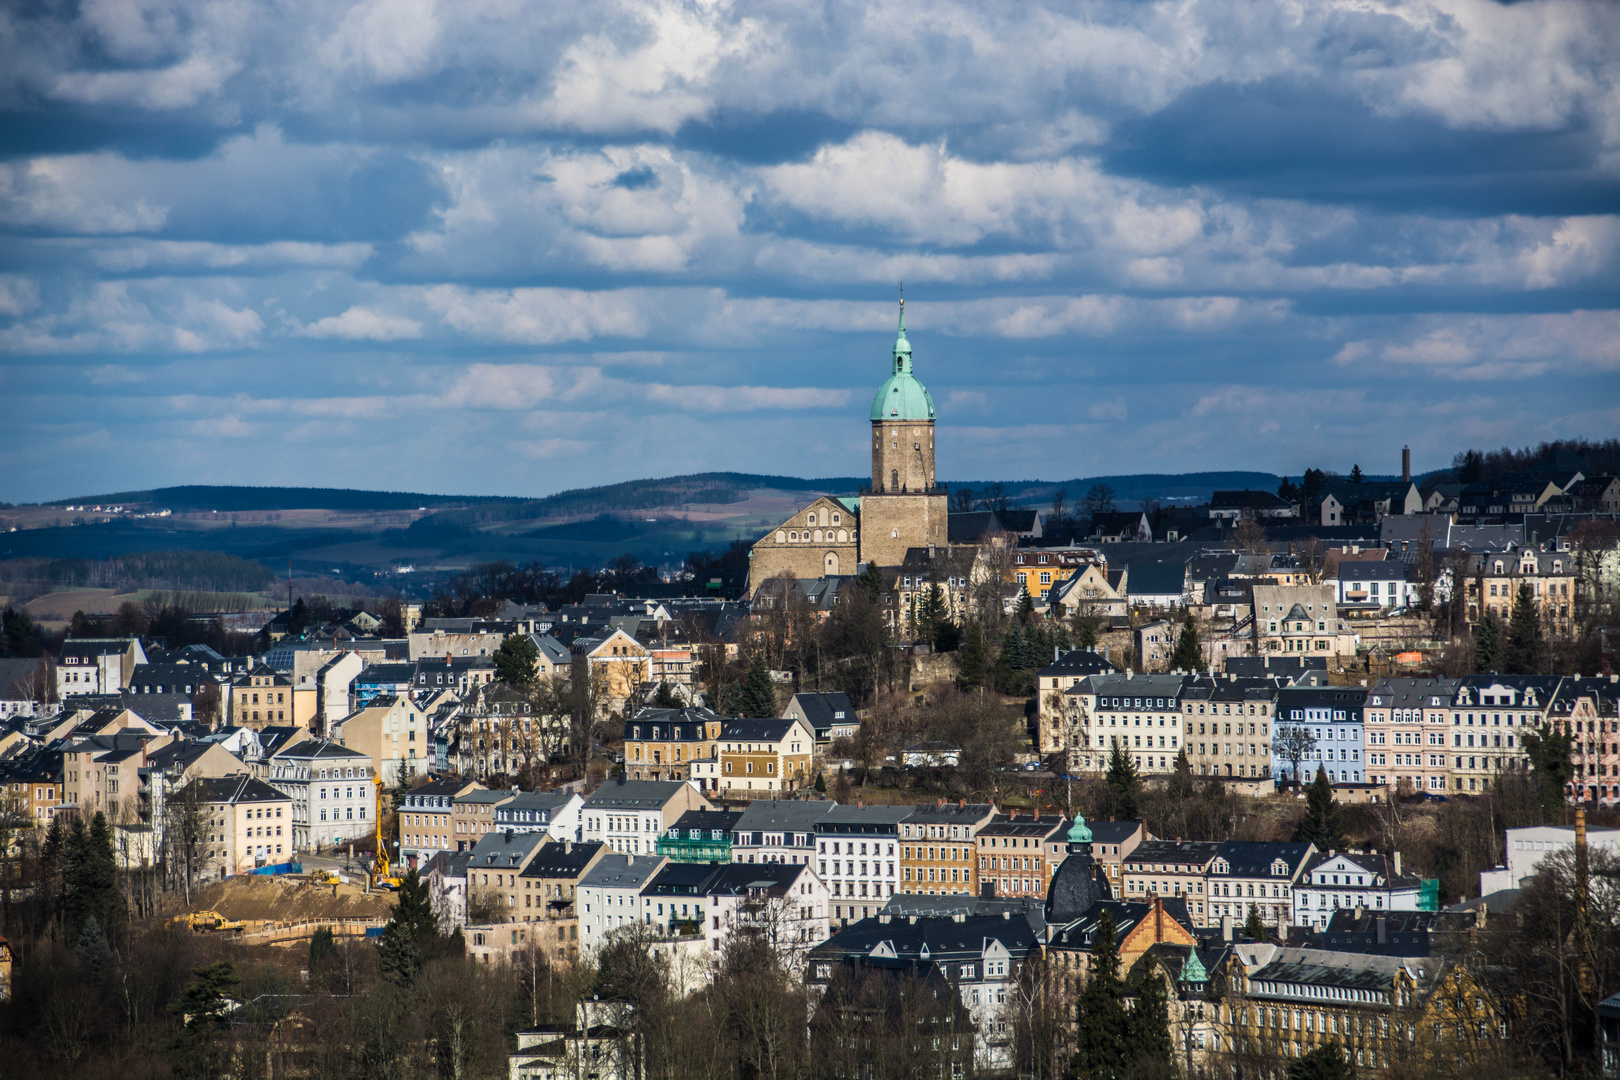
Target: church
<point>903,508</point>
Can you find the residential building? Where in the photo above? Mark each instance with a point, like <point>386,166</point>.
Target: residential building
<point>1588,710</point>
<point>948,567</point>
<point>615,662</point>
<point>492,876</point>
<point>425,818</point>
<point>393,733</point>
<point>472,814</point>
<point>1228,729</point>
<point>550,886</point>
<point>829,715</point>
<point>555,813</point>
<point>1091,589</point>
<point>97,665</point>
<point>333,792</point>
<point>1120,528</point>
<point>609,895</point>
<point>1355,879</point>
<point>1064,673</point>
<point>700,836</point>
<point>249,824</point>
<point>1331,717</point>
<point>937,851</point>
<point>101,773</point>
<point>1235,506</point>
<point>1171,869</point>
<point>1548,575</point>
<point>262,696</point>
<point>766,756</point>
<point>1160,585</point>
<point>172,765</point>
<point>778,831</point>
<point>1406,727</point>
<point>661,744</point>
<point>446,877</point>
<point>1292,620</point>
<point>1138,714</point>
<point>1490,716</point>
<point>630,815</point>
<point>1387,583</point>
<point>784,904</point>
<point>858,857</point>
<point>458,637</point>
<point>603,1043</point>
<point>1017,856</point>
<point>979,957</point>
<point>1257,874</point>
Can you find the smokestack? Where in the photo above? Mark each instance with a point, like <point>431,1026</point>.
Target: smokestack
<point>1382,930</point>
<point>1406,464</point>
<point>1397,864</point>
<point>1158,919</point>
<point>1226,928</point>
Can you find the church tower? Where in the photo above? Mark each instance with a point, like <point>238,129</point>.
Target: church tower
<point>905,507</point>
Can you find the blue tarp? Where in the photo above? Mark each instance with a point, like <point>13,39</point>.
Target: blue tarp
<point>280,868</point>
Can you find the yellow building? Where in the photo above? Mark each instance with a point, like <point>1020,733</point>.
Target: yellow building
<point>661,744</point>
<point>615,663</point>
<point>938,852</point>
<point>761,758</point>
<point>392,732</point>
<point>263,697</point>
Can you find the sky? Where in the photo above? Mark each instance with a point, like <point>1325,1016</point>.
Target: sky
<point>492,247</point>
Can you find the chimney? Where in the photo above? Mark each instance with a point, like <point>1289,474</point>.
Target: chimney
<point>1226,928</point>
<point>1360,912</point>
<point>1397,864</point>
<point>1158,919</point>
<point>1382,930</point>
<point>1406,464</point>
<point>961,804</point>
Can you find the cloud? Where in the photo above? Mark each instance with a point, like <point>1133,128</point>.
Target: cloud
<point>363,324</point>
<point>1495,347</point>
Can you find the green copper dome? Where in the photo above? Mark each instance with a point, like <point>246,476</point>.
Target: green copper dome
<point>902,397</point>
<point>1078,833</point>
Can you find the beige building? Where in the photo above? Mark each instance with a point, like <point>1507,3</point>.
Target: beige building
<point>761,758</point>
<point>101,773</point>
<point>1549,575</point>
<point>393,733</point>
<point>904,508</point>
<point>1301,620</point>
<point>662,744</point>
<point>249,824</point>
<point>472,815</point>
<point>618,661</point>
<point>264,697</point>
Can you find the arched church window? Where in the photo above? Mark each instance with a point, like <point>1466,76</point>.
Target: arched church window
<point>781,537</point>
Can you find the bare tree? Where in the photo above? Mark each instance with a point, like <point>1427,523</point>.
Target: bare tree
<point>1293,743</point>
<point>1311,554</point>
<point>185,832</point>
<point>1099,499</point>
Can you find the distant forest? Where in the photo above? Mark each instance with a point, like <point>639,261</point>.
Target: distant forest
<point>188,571</point>
<point>1597,458</point>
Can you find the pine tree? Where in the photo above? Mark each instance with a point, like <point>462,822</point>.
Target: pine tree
<point>1103,1031</point>
<point>1521,654</point>
<point>1149,1027</point>
<point>1188,656</point>
<point>202,1007</point>
<point>1488,643</point>
<point>972,659</point>
<point>1026,605</point>
<point>1180,785</point>
<point>1123,785</point>
<point>322,948</point>
<point>870,582</point>
<point>1254,928</point>
<point>1327,1062</point>
<point>821,783</point>
<point>756,695</point>
<point>1321,826</point>
<point>412,931</point>
<point>516,661</point>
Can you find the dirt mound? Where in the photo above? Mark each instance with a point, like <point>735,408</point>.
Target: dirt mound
<point>259,898</point>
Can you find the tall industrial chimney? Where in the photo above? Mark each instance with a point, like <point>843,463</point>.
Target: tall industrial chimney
<point>1406,464</point>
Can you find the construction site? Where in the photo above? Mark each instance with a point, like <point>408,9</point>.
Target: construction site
<point>286,910</point>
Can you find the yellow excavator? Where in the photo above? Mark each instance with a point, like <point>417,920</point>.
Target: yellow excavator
<point>202,922</point>
<point>381,871</point>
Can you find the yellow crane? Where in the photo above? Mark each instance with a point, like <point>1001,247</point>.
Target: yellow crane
<point>381,877</point>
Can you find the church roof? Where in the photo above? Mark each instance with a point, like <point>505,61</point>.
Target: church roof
<point>902,397</point>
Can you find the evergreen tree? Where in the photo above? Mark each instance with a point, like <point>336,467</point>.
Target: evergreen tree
<point>972,660</point>
<point>1102,1037</point>
<point>515,661</point>
<point>90,878</point>
<point>1355,474</point>
<point>1180,785</point>
<point>870,582</point>
<point>1327,1062</point>
<point>1254,928</point>
<point>1550,767</point>
<point>95,955</point>
<point>202,1006</point>
<point>412,932</point>
<point>1123,785</point>
<point>1026,605</point>
<point>1488,643</point>
<point>1149,1028</point>
<point>1521,654</point>
<point>756,694</point>
<point>1188,656</point>
<point>821,783</point>
<point>665,697</point>
<point>322,948</point>
<point>1321,826</point>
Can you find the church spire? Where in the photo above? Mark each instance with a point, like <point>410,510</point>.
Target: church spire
<point>902,347</point>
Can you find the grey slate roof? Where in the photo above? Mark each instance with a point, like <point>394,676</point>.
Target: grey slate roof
<point>783,815</point>
<point>1078,663</point>
<point>633,795</point>
<point>617,871</point>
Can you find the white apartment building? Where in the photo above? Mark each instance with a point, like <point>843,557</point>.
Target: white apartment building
<point>1526,848</point>
<point>334,797</point>
<point>609,895</point>
<point>858,857</point>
